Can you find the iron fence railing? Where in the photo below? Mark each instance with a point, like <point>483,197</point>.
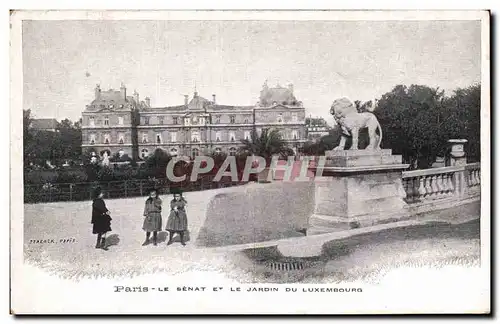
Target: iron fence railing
<point>43,193</point>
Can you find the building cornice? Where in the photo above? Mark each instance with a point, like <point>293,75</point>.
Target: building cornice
<point>108,145</point>
<point>193,126</point>
<point>107,127</point>
<point>280,124</point>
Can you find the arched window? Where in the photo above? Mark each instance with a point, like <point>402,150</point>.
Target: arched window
<point>232,151</point>
<point>173,152</point>
<point>108,152</point>
<point>144,153</point>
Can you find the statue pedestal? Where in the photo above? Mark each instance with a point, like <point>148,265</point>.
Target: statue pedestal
<point>358,188</point>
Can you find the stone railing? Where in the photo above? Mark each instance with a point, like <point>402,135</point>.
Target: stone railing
<point>441,183</point>
<point>473,176</point>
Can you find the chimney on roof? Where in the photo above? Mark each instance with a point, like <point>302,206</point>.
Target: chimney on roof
<point>148,101</point>
<point>213,98</point>
<point>136,96</point>
<point>290,87</point>
<point>97,91</point>
<point>123,91</point>
<point>186,99</point>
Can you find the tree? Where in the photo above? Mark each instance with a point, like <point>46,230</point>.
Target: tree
<point>268,144</point>
<point>461,118</point>
<point>157,163</point>
<point>27,137</point>
<point>57,147</point>
<point>417,121</point>
<point>69,139</point>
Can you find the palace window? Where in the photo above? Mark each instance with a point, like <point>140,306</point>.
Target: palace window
<point>121,138</point>
<point>106,138</point>
<point>247,135</point>
<point>106,121</point>
<point>295,117</point>
<point>160,120</point>
<point>120,120</point>
<point>146,120</point>
<point>176,120</point>
<point>217,136</point>
<point>259,131</point>
<point>92,121</point>
<point>173,137</point>
<point>232,151</point>
<point>92,139</point>
<point>158,138</point>
<point>280,118</point>
<point>144,153</point>
<point>246,121</point>
<point>295,134</point>
<point>145,138</point>
<point>217,119</point>
<point>195,136</point>
<point>232,119</point>
<point>232,136</point>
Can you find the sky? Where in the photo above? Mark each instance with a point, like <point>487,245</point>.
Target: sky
<point>164,60</point>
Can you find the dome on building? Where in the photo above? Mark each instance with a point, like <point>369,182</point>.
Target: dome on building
<point>277,96</point>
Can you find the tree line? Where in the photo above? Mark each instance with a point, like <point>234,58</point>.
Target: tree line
<point>59,147</point>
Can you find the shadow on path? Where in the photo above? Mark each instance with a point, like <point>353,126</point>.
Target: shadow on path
<point>112,240</point>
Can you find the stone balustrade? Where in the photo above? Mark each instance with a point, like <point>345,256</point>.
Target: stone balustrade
<point>473,175</point>
<point>440,183</point>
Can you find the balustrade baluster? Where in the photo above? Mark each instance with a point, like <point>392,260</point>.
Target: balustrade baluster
<point>428,187</point>
<point>416,187</point>
<point>471,178</point>
<point>444,185</point>
<point>434,188</point>
<point>450,183</point>
<point>421,189</point>
<point>439,185</point>
<point>476,178</point>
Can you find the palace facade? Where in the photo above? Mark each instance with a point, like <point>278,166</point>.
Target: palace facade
<point>117,123</point>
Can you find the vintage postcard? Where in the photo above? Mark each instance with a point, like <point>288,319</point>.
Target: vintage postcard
<point>250,162</point>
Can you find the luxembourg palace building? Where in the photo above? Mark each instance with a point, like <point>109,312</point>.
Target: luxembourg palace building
<point>119,123</point>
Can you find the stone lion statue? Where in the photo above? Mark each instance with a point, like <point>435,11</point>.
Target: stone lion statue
<point>345,114</point>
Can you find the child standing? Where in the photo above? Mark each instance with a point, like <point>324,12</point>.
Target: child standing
<point>101,220</point>
<point>152,217</point>
<point>177,220</point>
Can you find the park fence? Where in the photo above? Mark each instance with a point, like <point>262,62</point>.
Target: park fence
<point>54,192</point>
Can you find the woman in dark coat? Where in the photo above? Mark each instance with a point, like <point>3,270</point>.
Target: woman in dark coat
<point>152,217</point>
<point>100,219</point>
<point>177,220</point>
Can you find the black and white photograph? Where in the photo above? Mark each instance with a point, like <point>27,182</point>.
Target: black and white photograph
<point>249,162</point>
